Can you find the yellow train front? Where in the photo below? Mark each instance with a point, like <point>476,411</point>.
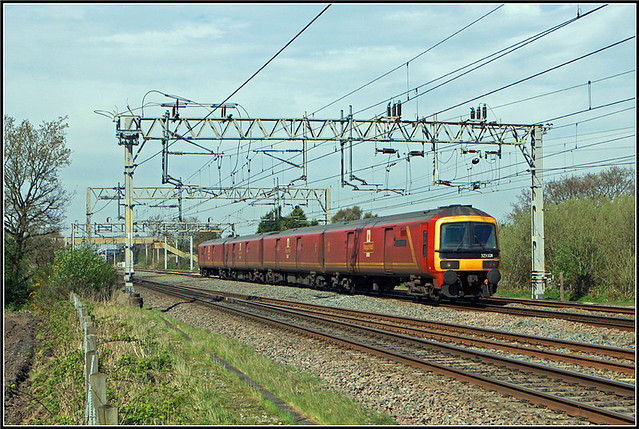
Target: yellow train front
<point>464,261</point>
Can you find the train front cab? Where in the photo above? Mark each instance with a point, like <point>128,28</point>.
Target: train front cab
<point>466,256</point>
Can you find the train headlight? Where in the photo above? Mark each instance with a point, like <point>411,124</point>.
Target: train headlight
<point>490,264</point>
<point>450,265</point>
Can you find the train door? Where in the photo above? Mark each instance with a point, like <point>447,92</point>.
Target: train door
<point>298,252</point>
<point>350,251</point>
<point>389,244</point>
<point>278,249</point>
<point>233,256</point>
<point>322,256</point>
<point>425,249</point>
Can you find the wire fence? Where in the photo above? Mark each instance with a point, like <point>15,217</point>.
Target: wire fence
<point>97,410</point>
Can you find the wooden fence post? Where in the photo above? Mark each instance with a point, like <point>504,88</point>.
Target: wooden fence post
<point>561,285</point>
<point>108,415</point>
<point>97,410</point>
<point>98,384</point>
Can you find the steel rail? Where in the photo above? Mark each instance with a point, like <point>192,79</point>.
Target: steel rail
<point>515,349</point>
<point>615,352</point>
<point>594,414</point>
<point>591,319</point>
<point>563,304</point>
<point>603,321</point>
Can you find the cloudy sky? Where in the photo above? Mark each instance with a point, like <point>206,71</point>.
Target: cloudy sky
<point>75,59</point>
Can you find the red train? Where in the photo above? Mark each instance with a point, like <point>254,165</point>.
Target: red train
<point>448,252</point>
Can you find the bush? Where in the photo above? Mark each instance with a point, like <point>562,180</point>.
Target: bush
<point>590,240</point>
<point>81,271</point>
<point>18,285</point>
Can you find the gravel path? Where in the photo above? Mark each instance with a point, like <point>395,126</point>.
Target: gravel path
<point>408,395</point>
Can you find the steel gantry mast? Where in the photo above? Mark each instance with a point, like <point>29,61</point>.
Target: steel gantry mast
<point>387,130</point>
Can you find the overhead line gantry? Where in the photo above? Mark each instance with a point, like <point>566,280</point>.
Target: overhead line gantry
<point>388,130</point>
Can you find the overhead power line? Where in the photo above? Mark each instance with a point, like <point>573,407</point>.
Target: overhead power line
<point>536,75</point>
<point>514,47</point>
<point>498,54</point>
<point>244,84</point>
<point>407,62</point>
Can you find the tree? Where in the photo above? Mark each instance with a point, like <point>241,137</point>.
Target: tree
<point>589,230</point>
<point>296,219</point>
<point>274,221</point>
<point>607,184</point>
<point>354,213</point>
<point>271,221</point>
<point>34,200</point>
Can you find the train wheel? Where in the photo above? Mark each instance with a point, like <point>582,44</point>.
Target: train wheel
<point>435,296</point>
<point>348,286</point>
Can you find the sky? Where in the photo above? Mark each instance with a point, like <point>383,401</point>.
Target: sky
<point>90,61</point>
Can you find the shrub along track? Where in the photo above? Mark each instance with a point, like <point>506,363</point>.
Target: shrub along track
<point>599,400</point>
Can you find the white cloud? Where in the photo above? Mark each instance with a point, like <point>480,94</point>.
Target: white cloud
<point>179,35</point>
<point>514,10</point>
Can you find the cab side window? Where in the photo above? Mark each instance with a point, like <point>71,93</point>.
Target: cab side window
<point>425,248</point>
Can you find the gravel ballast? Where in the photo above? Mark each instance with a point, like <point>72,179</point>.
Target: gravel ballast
<point>410,396</point>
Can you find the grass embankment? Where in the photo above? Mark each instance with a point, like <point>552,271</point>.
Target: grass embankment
<point>155,376</point>
<point>555,294</point>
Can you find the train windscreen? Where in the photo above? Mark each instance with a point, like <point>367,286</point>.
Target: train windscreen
<point>468,236</point>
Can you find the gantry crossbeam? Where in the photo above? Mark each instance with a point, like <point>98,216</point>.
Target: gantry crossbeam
<point>382,129</point>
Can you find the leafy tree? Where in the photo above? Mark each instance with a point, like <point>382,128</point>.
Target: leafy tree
<point>348,214</point>
<point>201,237</point>
<point>17,275</point>
<point>274,221</point>
<point>34,200</point>
<point>271,221</point>
<point>590,235</point>
<point>607,184</point>
<point>296,219</point>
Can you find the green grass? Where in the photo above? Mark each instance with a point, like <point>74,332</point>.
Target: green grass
<point>554,294</point>
<point>155,376</point>
<point>302,390</point>
<point>57,379</point>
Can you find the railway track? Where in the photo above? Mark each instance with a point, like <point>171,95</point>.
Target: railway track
<point>600,400</point>
<point>622,323</point>
<point>562,304</point>
<point>499,305</point>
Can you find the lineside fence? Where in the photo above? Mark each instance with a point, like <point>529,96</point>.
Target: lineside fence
<point>97,410</point>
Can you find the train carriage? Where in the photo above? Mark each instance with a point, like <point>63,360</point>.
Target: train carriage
<point>451,251</point>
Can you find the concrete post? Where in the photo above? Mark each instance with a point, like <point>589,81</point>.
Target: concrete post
<point>538,274</point>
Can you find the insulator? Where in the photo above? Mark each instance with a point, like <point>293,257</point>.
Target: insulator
<point>388,109</point>
<point>484,112</point>
<point>388,150</point>
<point>472,113</point>
<point>399,108</point>
<point>394,109</point>
<point>479,112</point>
<point>416,153</point>
<point>475,161</point>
